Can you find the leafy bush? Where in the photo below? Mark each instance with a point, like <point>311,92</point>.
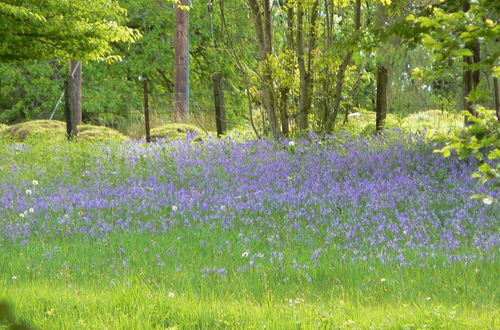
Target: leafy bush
<point>480,139</point>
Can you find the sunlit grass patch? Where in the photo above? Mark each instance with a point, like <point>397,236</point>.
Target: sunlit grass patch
<point>442,121</point>
<point>56,306</point>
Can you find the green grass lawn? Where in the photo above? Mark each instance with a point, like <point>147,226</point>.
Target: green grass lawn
<point>89,284</point>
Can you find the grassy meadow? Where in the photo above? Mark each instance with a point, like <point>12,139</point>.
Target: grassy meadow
<point>345,232</point>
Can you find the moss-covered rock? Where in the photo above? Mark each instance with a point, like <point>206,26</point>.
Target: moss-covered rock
<point>176,131</point>
<point>56,131</point>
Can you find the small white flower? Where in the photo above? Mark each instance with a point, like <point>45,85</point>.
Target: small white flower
<point>14,278</point>
<point>35,183</point>
<point>244,254</point>
<point>291,144</point>
<point>31,210</point>
<point>171,294</point>
<point>487,201</point>
<point>21,215</point>
<point>222,207</point>
<point>28,192</point>
<point>354,114</point>
<point>428,298</point>
<point>383,280</point>
<point>174,208</point>
<point>337,19</point>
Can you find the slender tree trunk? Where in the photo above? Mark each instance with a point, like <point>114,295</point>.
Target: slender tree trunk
<point>471,77</point>
<point>76,70</point>
<point>181,83</point>
<point>285,128</point>
<point>497,97</point>
<point>220,110</point>
<point>285,91</point>
<point>263,28</point>
<point>339,86</point>
<point>146,109</point>
<point>71,129</point>
<point>381,109</point>
<point>306,68</point>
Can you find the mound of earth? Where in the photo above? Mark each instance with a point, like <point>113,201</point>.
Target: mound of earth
<point>56,130</point>
<point>176,131</point>
<point>45,128</point>
<point>92,133</point>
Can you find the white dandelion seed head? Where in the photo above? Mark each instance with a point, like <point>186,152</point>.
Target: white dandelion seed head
<point>174,208</point>
<point>291,144</point>
<point>487,201</point>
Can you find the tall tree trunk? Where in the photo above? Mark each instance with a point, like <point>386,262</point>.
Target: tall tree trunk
<point>73,98</point>
<point>331,118</point>
<point>285,91</point>
<point>71,129</point>
<point>381,109</point>
<point>146,109</point>
<point>220,110</point>
<point>181,83</point>
<point>497,97</point>
<point>306,69</point>
<point>471,77</point>
<point>76,70</point>
<point>263,28</point>
<point>285,128</point>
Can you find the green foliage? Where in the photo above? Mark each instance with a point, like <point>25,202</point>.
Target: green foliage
<point>76,29</point>
<point>481,140</point>
<point>449,31</point>
<point>30,91</point>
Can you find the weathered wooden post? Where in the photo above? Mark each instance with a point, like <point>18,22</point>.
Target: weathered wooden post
<point>146,109</point>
